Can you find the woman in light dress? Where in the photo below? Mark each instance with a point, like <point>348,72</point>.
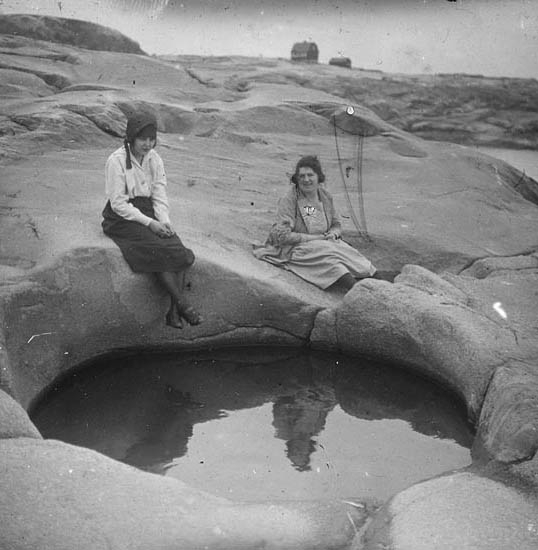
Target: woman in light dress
<point>306,237</point>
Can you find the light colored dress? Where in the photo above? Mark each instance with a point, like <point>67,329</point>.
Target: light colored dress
<point>320,262</point>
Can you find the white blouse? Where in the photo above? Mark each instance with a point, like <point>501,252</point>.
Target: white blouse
<point>146,180</point>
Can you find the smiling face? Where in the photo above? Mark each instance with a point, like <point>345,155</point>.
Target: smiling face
<point>307,180</point>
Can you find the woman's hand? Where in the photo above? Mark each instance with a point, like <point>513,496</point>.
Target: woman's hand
<point>331,235</point>
<point>170,229</point>
<point>163,230</point>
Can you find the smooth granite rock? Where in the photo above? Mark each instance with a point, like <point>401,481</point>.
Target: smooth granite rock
<point>69,31</point>
<point>14,421</point>
<point>508,425</point>
<point>462,511</point>
<point>90,303</point>
<point>58,496</point>
<point>425,325</point>
<point>486,266</point>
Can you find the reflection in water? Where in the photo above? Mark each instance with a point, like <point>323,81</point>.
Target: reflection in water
<point>298,418</point>
<point>188,416</point>
<point>167,435</point>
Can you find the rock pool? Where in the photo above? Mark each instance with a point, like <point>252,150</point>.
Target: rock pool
<point>262,423</point>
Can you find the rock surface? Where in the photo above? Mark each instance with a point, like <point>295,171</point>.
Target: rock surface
<point>435,514</point>
<point>81,499</point>
<point>460,226</point>
<point>432,330</point>
<point>82,34</point>
<point>14,419</point>
<point>508,427</point>
<point>460,108</point>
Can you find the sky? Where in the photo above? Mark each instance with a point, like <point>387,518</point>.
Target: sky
<point>488,37</point>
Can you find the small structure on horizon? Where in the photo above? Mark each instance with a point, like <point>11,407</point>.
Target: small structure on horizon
<point>305,52</point>
<point>340,62</point>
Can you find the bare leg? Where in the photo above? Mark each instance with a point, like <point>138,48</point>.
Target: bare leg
<point>173,318</point>
<point>180,276</point>
<point>179,306</point>
<point>169,281</point>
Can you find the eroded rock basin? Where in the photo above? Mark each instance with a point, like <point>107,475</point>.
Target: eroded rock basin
<point>422,318</point>
<point>263,423</point>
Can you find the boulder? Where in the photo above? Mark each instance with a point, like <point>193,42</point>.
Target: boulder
<point>508,426</point>
<point>430,330</point>
<point>484,267</point>
<point>14,421</point>
<point>54,495</point>
<point>462,511</point>
<point>18,84</point>
<point>68,31</point>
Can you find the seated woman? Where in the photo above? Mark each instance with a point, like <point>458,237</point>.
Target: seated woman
<point>136,216</point>
<point>306,236</point>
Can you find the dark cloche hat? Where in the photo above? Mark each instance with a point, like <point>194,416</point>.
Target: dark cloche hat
<point>137,122</point>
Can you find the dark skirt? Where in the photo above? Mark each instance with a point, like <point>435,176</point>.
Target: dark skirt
<point>143,250</point>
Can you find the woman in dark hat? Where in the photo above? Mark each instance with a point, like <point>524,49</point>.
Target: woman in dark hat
<point>136,216</point>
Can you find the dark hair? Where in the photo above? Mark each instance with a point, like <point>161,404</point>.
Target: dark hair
<point>309,161</point>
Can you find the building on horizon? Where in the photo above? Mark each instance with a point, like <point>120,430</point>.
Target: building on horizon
<point>340,62</point>
<point>305,52</point>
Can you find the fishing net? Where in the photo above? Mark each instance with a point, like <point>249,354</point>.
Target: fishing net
<point>350,129</point>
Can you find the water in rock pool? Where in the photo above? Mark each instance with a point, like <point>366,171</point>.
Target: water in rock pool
<point>260,424</point>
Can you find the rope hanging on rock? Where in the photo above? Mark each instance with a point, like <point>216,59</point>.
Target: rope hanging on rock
<point>360,221</point>
<point>360,197</point>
